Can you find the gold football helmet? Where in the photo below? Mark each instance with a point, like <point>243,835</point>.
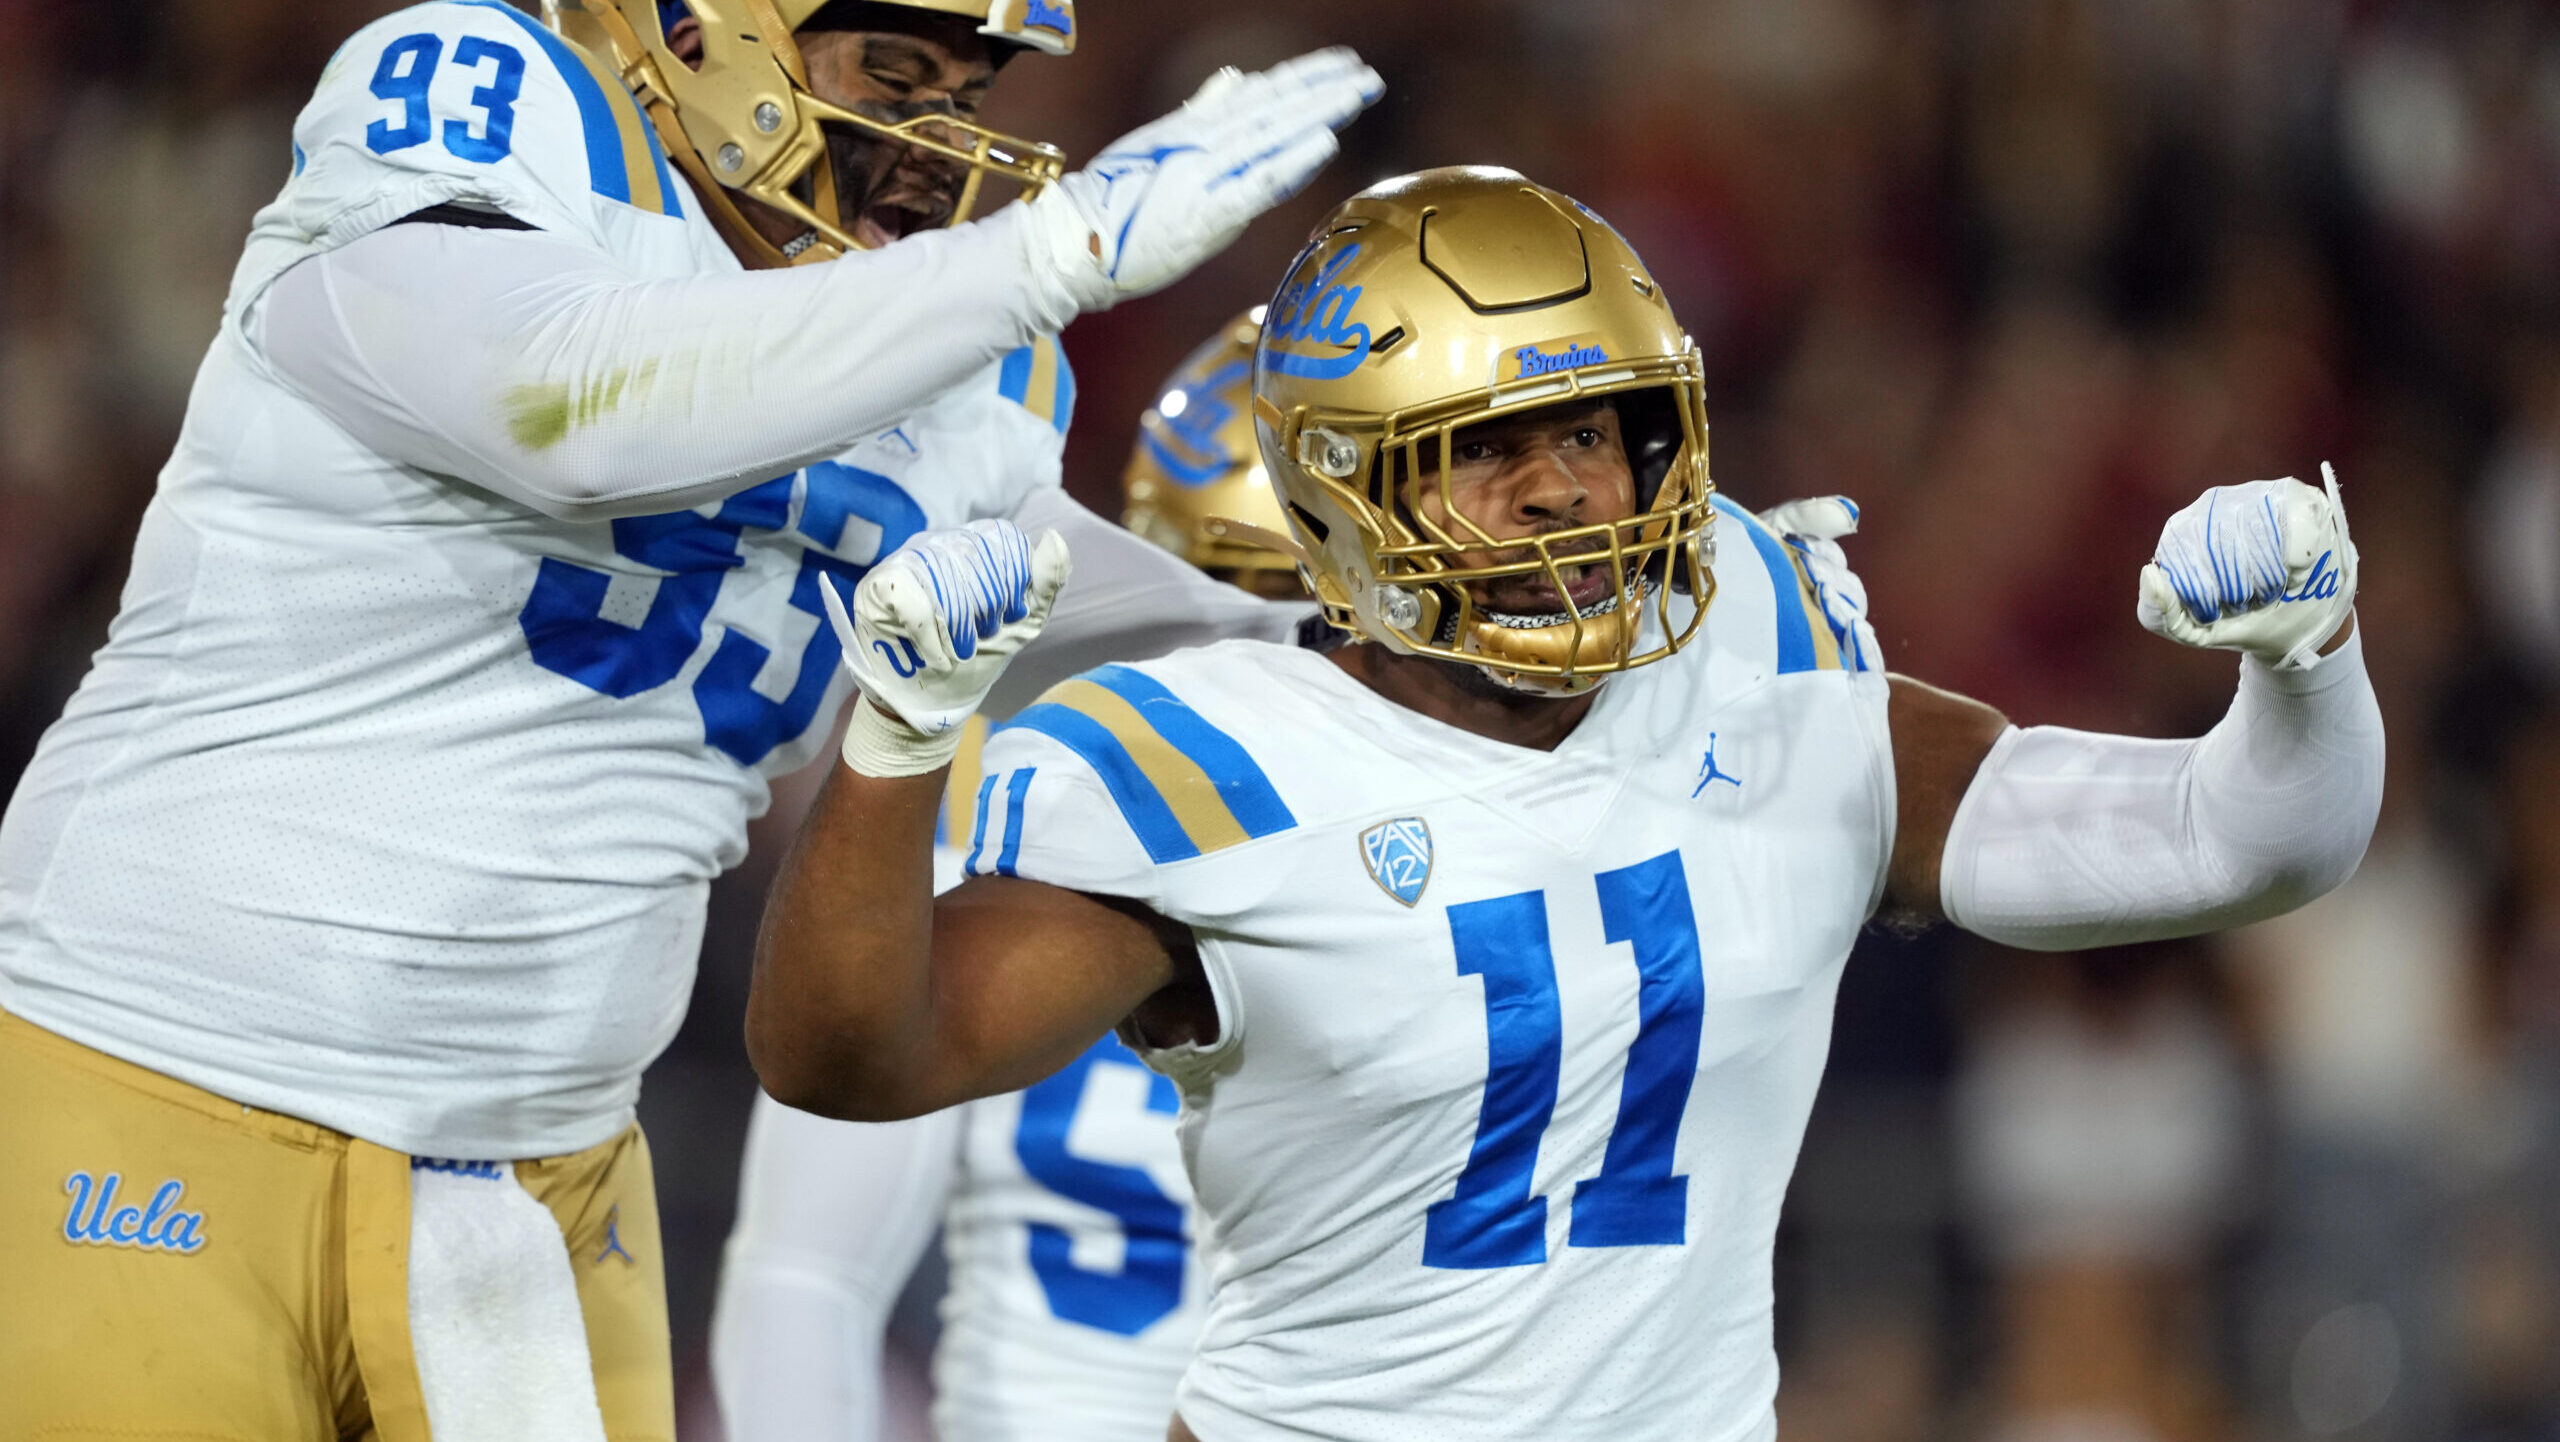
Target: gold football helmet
<point>745,119</point>
<point>1195,483</point>
<point>1446,298</point>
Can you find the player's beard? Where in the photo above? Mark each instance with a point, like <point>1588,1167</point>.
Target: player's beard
<point>887,191</point>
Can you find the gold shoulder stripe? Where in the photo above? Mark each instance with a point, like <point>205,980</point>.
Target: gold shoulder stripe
<point>637,164</point>
<point>1040,397</point>
<point>1186,790</point>
<point>1826,642</point>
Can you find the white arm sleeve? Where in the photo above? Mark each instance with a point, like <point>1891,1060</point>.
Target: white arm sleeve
<point>534,365</point>
<point>2068,839</point>
<point>832,1216</point>
<point>1128,600</point>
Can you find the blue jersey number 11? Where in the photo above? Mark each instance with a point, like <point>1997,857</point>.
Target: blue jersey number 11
<point>1493,1219</point>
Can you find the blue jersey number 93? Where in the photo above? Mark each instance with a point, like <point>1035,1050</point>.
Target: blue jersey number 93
<point>408,67</point>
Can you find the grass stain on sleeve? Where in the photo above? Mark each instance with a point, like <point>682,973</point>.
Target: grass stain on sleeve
<point>542,416</point>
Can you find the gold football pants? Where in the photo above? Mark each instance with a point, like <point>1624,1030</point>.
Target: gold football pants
<point>181,1268</point>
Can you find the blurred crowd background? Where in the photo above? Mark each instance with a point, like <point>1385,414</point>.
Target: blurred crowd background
<point>2021,276</point>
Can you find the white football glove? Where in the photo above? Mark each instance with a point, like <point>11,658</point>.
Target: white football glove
<point>2264,568</point>
<point>1169,195</point>
<point>931,629</point>
<point>1813,526</point>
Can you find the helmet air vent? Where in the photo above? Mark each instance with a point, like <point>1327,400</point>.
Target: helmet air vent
<point>1509,249</point>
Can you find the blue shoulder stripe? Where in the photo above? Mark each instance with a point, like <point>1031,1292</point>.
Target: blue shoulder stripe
<point>611,153</point>
<point>1248,793</point>
<point>595,112</point>
<point>1795,629</point>
<point>1037,378</point>
<point>1013,380</point>
<point>1139,801</point>
<point>670,202</point>
<point>1066,402</point>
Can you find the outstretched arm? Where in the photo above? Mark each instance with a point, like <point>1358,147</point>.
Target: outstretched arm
<point>530,363</point>
<point>2053,839</point>
<point>870,1000</point>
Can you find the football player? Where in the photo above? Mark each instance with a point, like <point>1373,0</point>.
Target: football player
<point>1073,1298</point>
<point>342,909</point>
<point>1494,955</point>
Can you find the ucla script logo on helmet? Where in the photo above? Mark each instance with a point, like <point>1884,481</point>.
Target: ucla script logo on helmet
<point>1398,854</point>
<point>1316,311</point>
<point>1200,457</point>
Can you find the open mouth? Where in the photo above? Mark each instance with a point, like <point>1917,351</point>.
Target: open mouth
<point>1524,603</point>
<point>1586,584</point>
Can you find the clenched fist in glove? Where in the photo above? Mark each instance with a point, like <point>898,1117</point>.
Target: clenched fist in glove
<point>929,631</point>
<point>2264,568</point>
<point>1169,195</point>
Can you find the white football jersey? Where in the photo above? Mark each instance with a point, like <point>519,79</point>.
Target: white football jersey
<point>1074,1297</point>
<point>391,803</point>
<point>1516,1047</point>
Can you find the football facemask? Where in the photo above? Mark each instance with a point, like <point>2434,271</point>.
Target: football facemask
<point>1443,300</point>
<point>745,121</point>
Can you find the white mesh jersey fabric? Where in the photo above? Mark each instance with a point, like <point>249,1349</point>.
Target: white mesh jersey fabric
<point>1517,1047</point>
<point>391,803</point>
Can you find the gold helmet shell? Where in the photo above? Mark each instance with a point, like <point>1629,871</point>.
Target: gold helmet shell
<point>745,120</point>
<point>1439,300</point>
<point>1195,482</point>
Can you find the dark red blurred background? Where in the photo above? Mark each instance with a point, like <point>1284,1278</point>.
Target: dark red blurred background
<point>2021,276</point>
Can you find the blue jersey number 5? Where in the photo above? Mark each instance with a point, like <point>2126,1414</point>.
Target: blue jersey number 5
<point>1493,1219</point>
<point>408,67</point>
<point>1148,1285</point>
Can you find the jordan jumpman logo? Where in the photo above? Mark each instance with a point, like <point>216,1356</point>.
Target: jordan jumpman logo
<point>613,1238</point>
<point>1708,771</point>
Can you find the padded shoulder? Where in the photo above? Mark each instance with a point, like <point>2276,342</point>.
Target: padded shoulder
<point>1038,379</point>
<point>471,101</point>
<point>1807,610</point>
<point>1157,772</point>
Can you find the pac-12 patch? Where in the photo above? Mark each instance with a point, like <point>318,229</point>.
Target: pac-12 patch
<point>1398,854</point>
